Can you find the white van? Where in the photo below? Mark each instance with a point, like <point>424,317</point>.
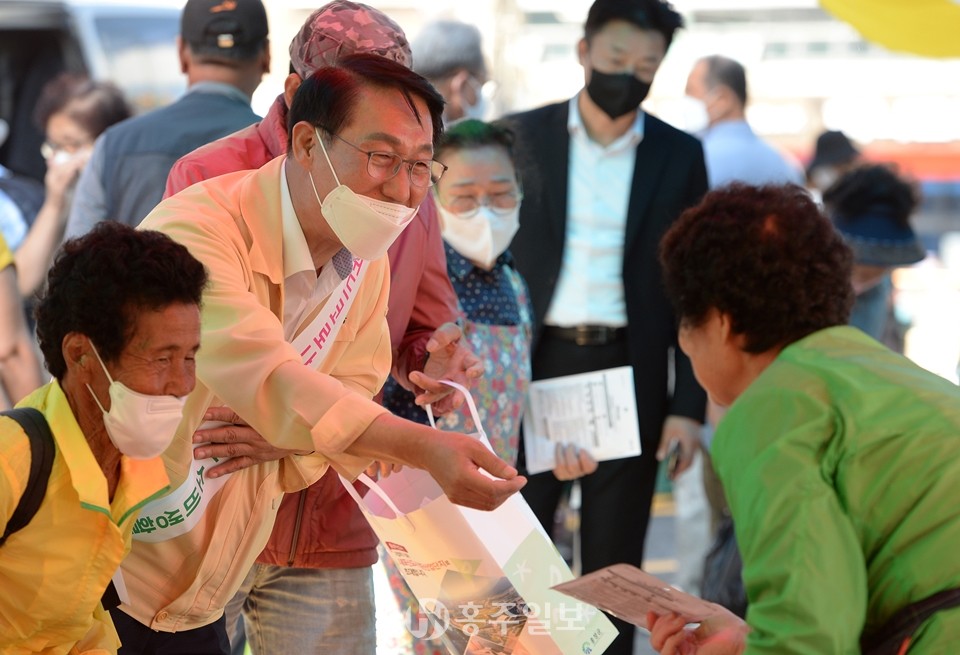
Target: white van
<point>132,44</point>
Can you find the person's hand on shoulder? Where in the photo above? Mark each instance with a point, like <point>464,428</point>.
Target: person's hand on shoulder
<point>235,441</point>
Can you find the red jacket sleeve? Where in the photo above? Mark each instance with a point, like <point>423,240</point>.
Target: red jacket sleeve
<point>421,296</point>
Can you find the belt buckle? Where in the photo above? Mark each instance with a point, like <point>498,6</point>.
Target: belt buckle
<point>587,335</point>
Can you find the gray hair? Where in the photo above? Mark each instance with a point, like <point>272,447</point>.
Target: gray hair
<point>729,73</point>
<point>445,46</point>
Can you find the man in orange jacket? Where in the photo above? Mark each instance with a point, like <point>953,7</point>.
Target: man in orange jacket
<point>317,564</point>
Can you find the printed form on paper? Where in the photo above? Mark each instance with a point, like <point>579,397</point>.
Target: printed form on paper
<point>596,411</point>
<point>629,593</point>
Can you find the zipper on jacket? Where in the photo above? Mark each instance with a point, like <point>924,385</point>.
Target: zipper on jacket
<point>296,528</point>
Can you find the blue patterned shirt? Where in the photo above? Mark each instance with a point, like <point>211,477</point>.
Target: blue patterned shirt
<point>486,297</point>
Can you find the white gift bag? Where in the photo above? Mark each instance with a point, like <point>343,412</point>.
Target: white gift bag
<point>484,577</point>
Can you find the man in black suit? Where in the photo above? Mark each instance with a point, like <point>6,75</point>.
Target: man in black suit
<point>602,182</point>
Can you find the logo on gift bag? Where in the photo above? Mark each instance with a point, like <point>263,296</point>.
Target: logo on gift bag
<point>588,645</point>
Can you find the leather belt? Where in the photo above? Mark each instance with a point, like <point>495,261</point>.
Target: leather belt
<point>586,335</point>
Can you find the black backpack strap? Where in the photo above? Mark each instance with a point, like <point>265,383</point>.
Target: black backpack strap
<point>42,450</point>
<point>894,636</point>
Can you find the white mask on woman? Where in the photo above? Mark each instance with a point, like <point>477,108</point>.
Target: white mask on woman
<point>365,226</point>
<point>139,425</point>
<point>481,238</point>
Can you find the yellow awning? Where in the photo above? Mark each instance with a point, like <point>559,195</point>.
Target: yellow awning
<point>930,28</point>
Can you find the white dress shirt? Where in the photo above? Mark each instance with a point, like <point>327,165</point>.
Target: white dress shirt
<point>590,287</point>
<point>302,287</point>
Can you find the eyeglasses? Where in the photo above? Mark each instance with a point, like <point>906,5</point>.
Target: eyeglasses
<point>382,166</point>
<point>499,203</point>
<point>50,150</point>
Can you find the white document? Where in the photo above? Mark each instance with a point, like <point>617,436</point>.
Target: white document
<point>628,593</point>
<point>596,411</point>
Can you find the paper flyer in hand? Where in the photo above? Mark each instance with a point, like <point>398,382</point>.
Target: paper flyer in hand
<point>628,593</point>
<point>596,411</point>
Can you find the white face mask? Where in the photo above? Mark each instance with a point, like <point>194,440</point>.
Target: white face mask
<point>139,425</point>
<point>482,237</point>
<point>62,157</point>
<point>59,156</point>
<point>823,177</point>
<point>476,111</point>
<point>483,93</point>
<point>481,106</point>
<point>693,115</point>
<point>365,226</point>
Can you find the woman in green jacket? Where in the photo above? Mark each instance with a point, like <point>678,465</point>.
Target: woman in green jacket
<point>840,458</point>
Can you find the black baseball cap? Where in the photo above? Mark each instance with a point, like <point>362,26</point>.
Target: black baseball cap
<point>229,28</point>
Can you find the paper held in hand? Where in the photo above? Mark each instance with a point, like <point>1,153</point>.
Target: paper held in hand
<point>596,411</point>
<point>629,593</point>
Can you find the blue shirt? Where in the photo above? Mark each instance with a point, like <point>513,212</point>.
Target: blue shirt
<point>735,154</point>
<point>13,224</point>
<point>486,297</point>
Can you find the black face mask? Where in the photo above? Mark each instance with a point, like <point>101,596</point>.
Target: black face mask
<point>616,93</point>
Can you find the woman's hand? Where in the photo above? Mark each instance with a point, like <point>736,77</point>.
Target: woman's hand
<point>62,176</point>
<point>449,359</point>
<point>722,634</point>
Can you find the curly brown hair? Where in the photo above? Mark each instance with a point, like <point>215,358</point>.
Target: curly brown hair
<point>100,281</point>
<point>766,256</point>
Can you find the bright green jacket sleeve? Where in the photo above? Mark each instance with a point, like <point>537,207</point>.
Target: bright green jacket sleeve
<point>841,463</point>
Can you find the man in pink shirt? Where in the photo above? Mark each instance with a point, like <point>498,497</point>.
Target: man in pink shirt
<point>311,590</point>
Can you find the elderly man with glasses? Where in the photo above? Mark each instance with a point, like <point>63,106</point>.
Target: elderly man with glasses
<point>321,554</point>
<point>295,342</point>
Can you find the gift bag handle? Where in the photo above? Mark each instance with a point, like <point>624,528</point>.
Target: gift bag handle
<point>371,484</point>
<point>473,408</point>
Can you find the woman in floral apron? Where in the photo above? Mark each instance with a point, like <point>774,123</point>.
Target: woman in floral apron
<point>478,200</point>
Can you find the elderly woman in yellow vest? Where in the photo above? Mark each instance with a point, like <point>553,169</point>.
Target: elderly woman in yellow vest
<point>119,327</point>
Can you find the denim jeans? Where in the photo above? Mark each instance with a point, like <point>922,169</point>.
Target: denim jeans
<point>305,611</point>
<point>871,308</point>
